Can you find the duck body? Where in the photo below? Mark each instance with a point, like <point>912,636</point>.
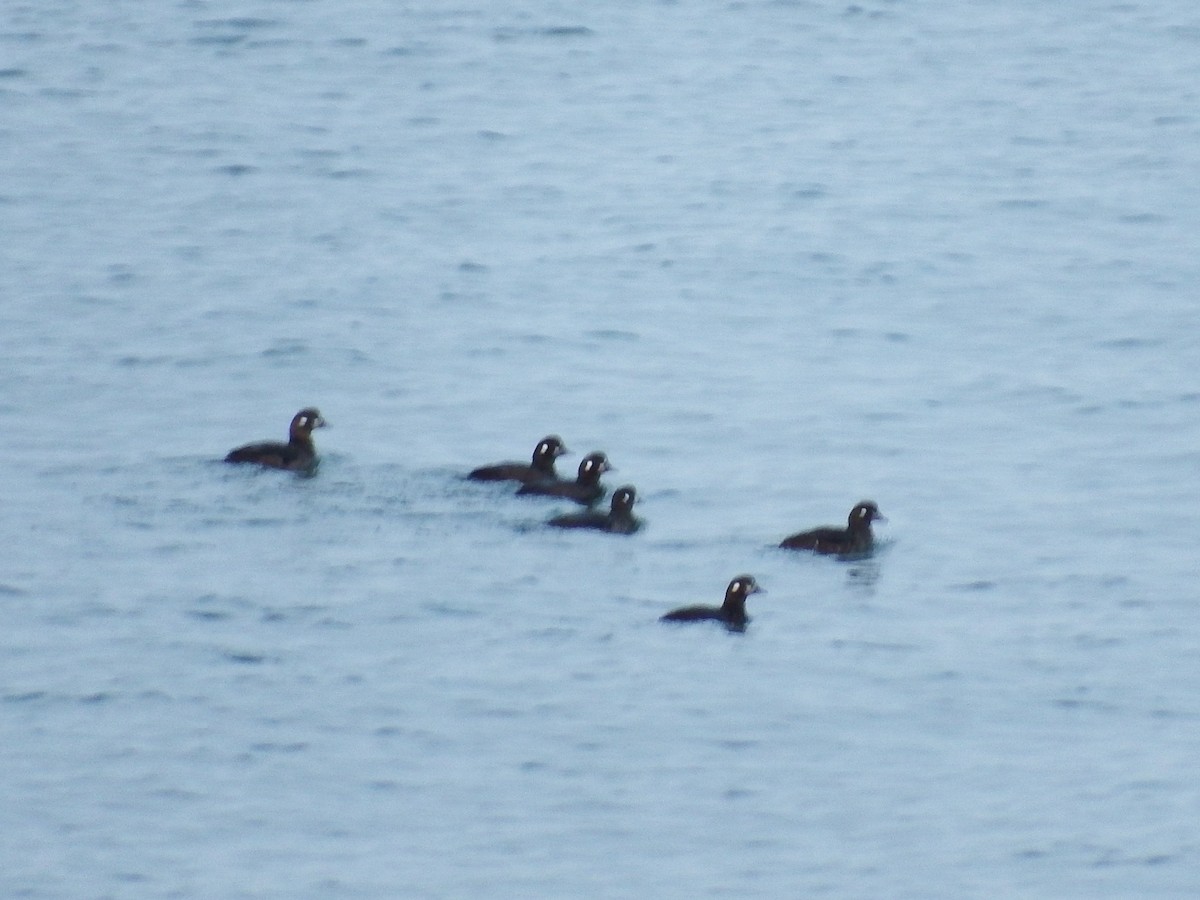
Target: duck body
<point>618,520</point>
<point>731,613</point>
<point>540,468</point>
<point>586,489</point>
<point>855,539</point>
<point>297,455</point>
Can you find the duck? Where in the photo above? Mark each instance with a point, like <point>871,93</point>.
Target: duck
<point>586,489</point>
<point>541,468</point>
<point>618,520</point>
<point>297,455</point>
<point>855,539</point>
<point>731,613</point>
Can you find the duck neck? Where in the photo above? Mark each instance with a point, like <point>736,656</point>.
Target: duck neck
<point>860,526</point>
<point>301,438</point>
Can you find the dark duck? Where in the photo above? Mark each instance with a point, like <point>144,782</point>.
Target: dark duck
<point>731,613</point>
<point>853,540</point>
<point>541,468</point>
<point>297,455</point>
<point>585,489</point>
<point>618,520</point>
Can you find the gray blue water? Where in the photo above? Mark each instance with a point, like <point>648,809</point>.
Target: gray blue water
<point>773,258</point>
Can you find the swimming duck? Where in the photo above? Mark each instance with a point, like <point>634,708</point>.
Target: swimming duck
<point>585,489</point>
<point>298,454</point>
<point>855,539</point>
<point>618,520</point>
<point>731,613</point>
<point>541,468</point>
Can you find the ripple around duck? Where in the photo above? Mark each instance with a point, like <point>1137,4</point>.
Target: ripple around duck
<point>242,23</point>
<point>217,40</point>
<point>874,646</point>
<point>974,586</point>
<point>552,32</point>
<point>94,698</point>
<point>244,657</point>
<point>24,697</point>
<point>1099,857</point>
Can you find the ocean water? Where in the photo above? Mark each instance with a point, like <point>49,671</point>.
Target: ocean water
<point>773,258</point>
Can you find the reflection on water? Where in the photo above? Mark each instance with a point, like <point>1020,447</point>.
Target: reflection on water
<point>862,575</point>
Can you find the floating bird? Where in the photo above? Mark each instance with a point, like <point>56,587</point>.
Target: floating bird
<point>618,520</point>
<point>585,489</point>
<point>541,468</point>
<point>853,540</point>
<point>731,613</point>
<point>298,454</point>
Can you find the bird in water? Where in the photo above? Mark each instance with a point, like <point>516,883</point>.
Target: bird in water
<point>541,468</point>
<point>731,613</point>
<point>297,455</point>
<point>855,539</point>
<point>585,489</point>
<point>618,520</point>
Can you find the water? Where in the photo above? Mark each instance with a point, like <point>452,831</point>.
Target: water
<point>773,258</point>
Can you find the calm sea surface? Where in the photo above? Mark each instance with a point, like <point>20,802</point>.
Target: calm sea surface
<point>773,258</point>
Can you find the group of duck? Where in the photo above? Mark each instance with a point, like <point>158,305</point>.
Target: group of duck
<point>539,477</point>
